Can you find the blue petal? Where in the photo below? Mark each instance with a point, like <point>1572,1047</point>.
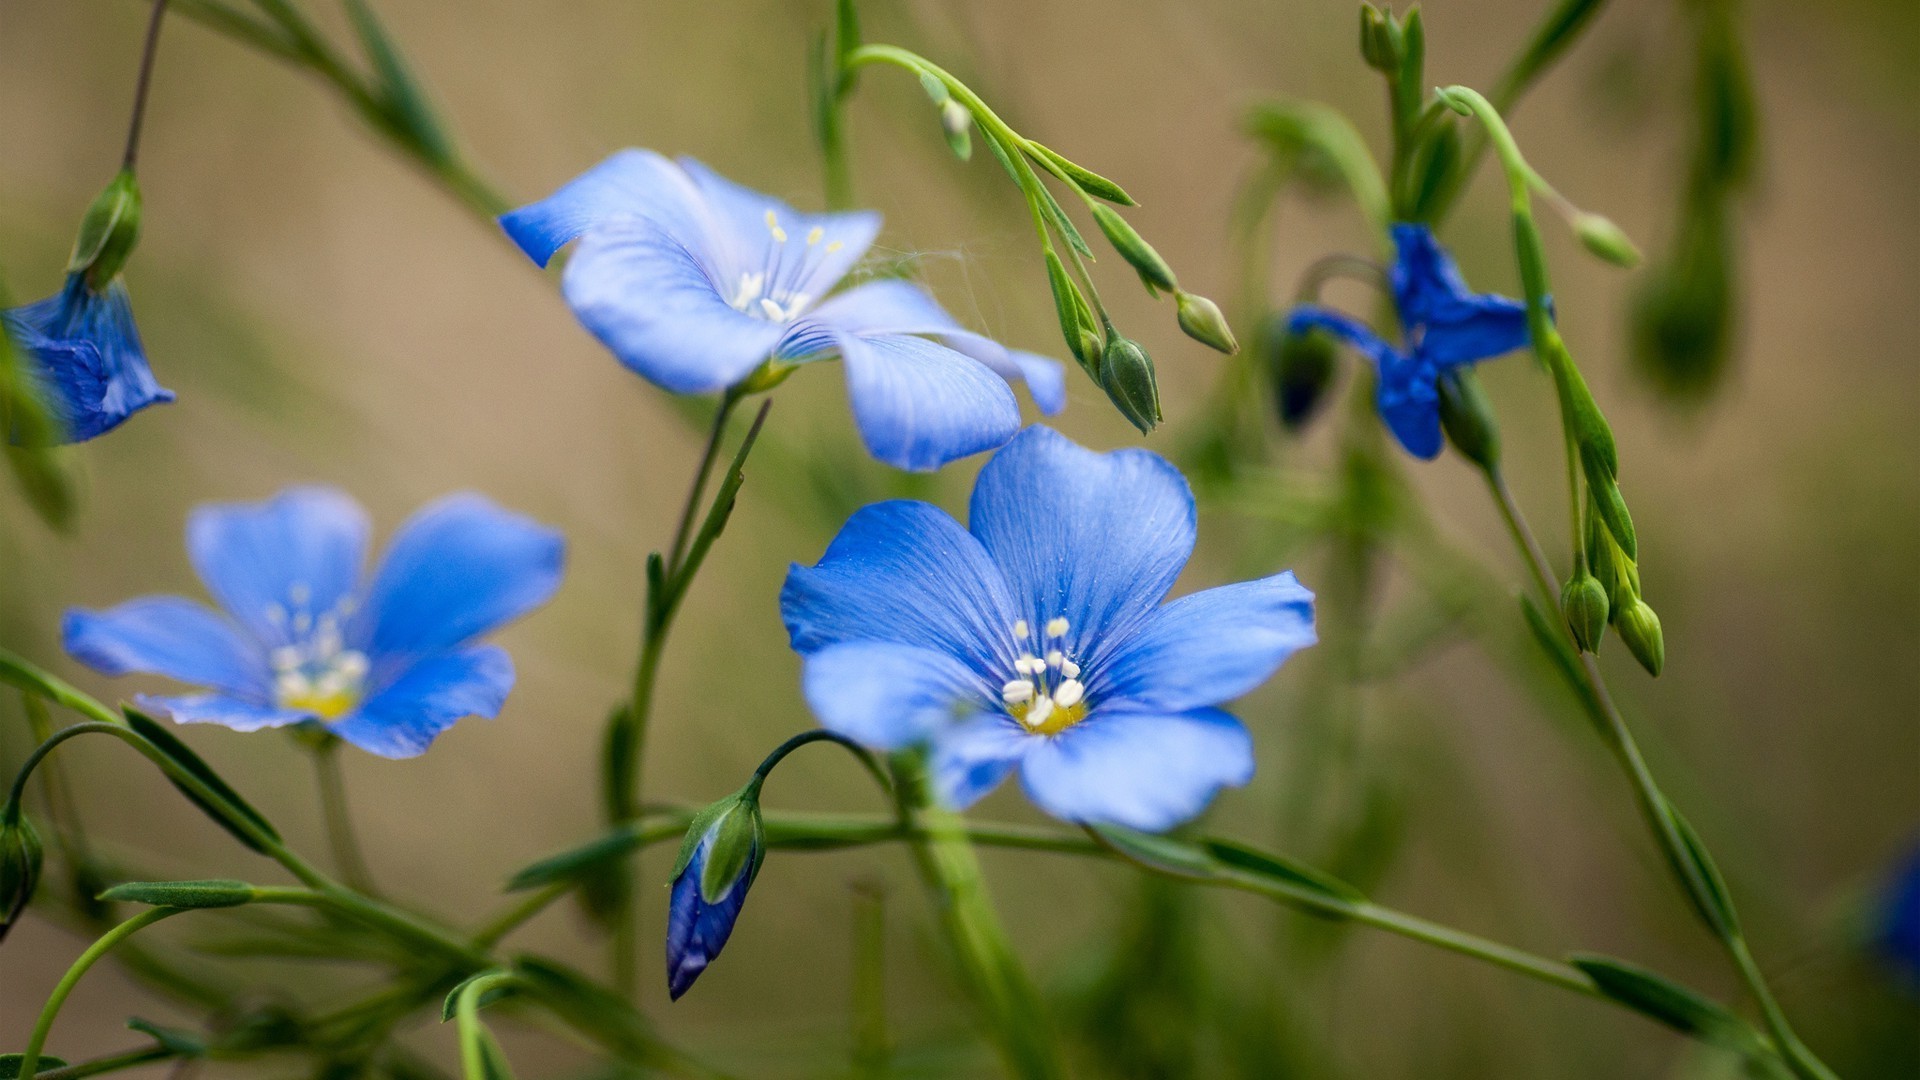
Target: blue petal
<point>1408,399</point>
<point>458,568</point>
<point>1209,647</point>
<point>1141,770</point>
<point>92,367</point>
<point>741,240</point>
<point>171,636</point>
<point>1898,935</point>
<point>628,184</point>
<point>1456,325</point>
<point>267,563</point>
<point>650,300</point>
<point>1424,278</point>
<point>402,720</point>
<point>697,930</point>
<point>971,758</point>
<point>887,695</point>
<point>903,572</point>
<point>1476,329</point>
<point>1312,317</point>
<point>229,712</point>
<point>1096,538</point>
<point>920,405</point>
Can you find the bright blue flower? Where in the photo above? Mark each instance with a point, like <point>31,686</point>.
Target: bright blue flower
<point>386,664</point>
<point>1037,641</point>
<point>85,357</point>
<point>1898,928</point>
<point>699,919</point>
<point>695,282</point>
<point>1443,325</point>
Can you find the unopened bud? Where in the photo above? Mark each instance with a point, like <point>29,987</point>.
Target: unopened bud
<point>719,858</point>
<point>1583,603</point>
<point>1201,320</point>
<point>1380,39</point>
<point>1606,240</point>
<point>1301,365</point>
<point>1140,254</point>
<point>1467,417</point>
<point>20,861</point>
<point>1639,628</point>
<point>108,232</point>
<point>957,124</point>
<point>1076,320</point>
<point>1126,373</point>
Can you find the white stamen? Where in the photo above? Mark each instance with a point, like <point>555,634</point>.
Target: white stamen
<point>815,235</point>
<point>749,290</point>
<point>1016,691</point>
<point>1057,626</point>
<point>302,622</point>
<point>284,658</point>
<point>773,226</point>
<point>1020,630</point>
<point>352,665</point>
<point>835,246</point>
<point>1055,658</point>
<point>1069,693</point>
<point>1070,669</point>
<point>1029,665</point>
<point>1038,712</point>
<point>772,309</point>
<point>276,614</point>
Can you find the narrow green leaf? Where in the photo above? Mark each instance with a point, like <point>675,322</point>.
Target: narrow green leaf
<point>491,994</point>
<point>1702,877</point>
<point>846,36</point>
<point>401,97</point>
<point>1164,854</point>
<point>576,863</point>
<point>1668,1002</point>
<point>177,1041</point>
<point>213,893</point>
<point>10,1065</point>
<point>1091,182</point>
<point>179,753</point>
<point>1281,869</point>
<point>585,1006</point>
<point>19,672</point>
<point>1061,222</point>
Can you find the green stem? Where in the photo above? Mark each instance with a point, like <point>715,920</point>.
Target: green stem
<point>864,755</point>
<point>475,1043</point>
<point>497,928</point>
<point>148,50</point>
<point>111,1063</point>
<point>348,858</point>
<point>30,1060</point>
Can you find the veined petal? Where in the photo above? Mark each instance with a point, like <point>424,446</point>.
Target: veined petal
<point>650,300</point>
<point>228,712</point>
<point>887,695</point>
<point>1475,329</point>
<point>1209,647</point>
<point>1348,329</point>
<point>971,758</point>
<point>402,720</point>
<point>920,405</point>
<point>89,354</point>
<point>269,563</point>
<point>1424,277</point>
<point>628,184</point>
<point>756,233</point>
<point>1095,538</point>
<point>1142,770</point>
<point>1408,399</point>
<point>458,568</point>
<point>904,572</point>
<point>171,636</point>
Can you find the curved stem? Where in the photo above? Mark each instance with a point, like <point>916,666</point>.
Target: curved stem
<point>30,1060</point>
<point>864,755</point>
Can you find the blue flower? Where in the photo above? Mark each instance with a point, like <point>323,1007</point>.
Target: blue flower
<point>718,861</point>
<point>386,664</point>
<point>1444,325</point>
<point>1037,639</point>
<point>84,357</point>
<point>1897,937</point>
<point>697,283</point>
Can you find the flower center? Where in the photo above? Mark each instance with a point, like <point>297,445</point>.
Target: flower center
<point>1045,694</point>
<point>315,672</point>
<point>777,291</point>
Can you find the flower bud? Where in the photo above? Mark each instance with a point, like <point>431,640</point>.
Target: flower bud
<point>1133,248</point>
<point>719,858</point>
<point>1301,366</point>
<point>1126,373</point>
<point>1467,418</point>
<point>1583,603</point>
<point>1076,320</point>
<point>1380,39</point>
<point>1606,240</point>
<point>1639,627</point>
<point>957,124</point>
<point>20,861</point>
<point>108,232</point>
<point>1201,320</point>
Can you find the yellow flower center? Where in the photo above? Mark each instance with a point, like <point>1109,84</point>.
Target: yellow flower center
<point>317,673</point>
<point>1045,694</point>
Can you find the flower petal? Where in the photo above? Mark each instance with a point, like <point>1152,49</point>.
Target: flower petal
<point>171,636</point>
<point>743,237</point>
<point>1209,647</point>
<point>403,719</point>
<point>268,563</point>
<point>1408,400</point>
<point>228,712</point>
<point>697,930</point>
<point>1348,329</point>
<point>89,354</point>
<point>971,758</point>
<point>1457,325</point>
<point>920,405</point>
<point>1142,770</point>
<point>458,568</point>
<point>628,184</point>
<point>650,300</point>
<point>887,695</point>
<point>904,572</point>
<point>1096,538</point>
<point>1424,278</point>
<point>1478,328</point>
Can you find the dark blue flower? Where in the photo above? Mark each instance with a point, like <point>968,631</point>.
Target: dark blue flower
<point>718,862</point>
<point>385,664</point>
<point>696,283</point>
<point>84,357</point>
<point>1897,937</point>
<point>1443,324</point>
<point>1037,639</point>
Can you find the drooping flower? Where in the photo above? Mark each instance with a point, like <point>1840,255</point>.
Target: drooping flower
<point>718,861</point>
<point>85,359</point>
<point>697,284</point>
<point>386,664</point>
<point>1444,325</point>
<point>1035,639</point>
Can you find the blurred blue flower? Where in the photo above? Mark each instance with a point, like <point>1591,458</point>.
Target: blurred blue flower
<point>1038,639</point>
<point>696,283</point>
<point>1897,936</point>
<point>84,357</point>
<point>386,665</point>
<point>1443,325</point>
<point>707,896</point>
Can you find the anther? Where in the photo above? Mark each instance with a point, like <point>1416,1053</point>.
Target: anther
<point>1069,693</point>
<point>1038,712</point>
<point>815,235</point>
<point>1020,630</point>
<point>1055,658</point>
<point>1070,669</point>
<point>1057,626</point>
<point>1016,691</point>
<point>773,226</point>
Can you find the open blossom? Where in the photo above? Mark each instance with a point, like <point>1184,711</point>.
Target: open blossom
<point>697,283</point>
<point>1035,639</point>
<point>385,664</point>
<point>84,357</point>
<point>1444,325</point>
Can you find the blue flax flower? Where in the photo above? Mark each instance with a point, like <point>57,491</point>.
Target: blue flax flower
<point>697,283</point>
<point>1444,325</point>
<point>84,357</point>
<point>707,895</point>
<point>386,664</point>
<point>1036,638</point>
<point>1897,936</point>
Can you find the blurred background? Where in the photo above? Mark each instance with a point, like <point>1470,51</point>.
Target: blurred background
<point>327,314</point>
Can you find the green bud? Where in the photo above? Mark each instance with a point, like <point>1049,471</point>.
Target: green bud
<point>1606,240</point>
<point>182,894</point>
<point>1126,373</point>
<point>1583,603</point>
<point>739,842</point>
<point>1201,320</point>
<point>21,858</point>
<point>1301,366</point>
<point>108,232</point>
<point>1380,40</point>
<point>1153,269</point>
<point>1639,627</point>
<point>957,124</point>
<point>1076,319</point>
<point>1467,417</point>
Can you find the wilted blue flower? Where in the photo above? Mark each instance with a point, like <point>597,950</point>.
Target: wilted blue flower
<point>1897,936</point>
<point>1443,325</point>
<point>1038,639</point>
<point>718,861</point>
<point>386,664</point>
<point>696,283</point>
<point>84,356</point>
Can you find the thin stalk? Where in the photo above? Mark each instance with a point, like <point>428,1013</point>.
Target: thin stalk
<point>30,1060</point>
<point>497,928</point>
<point>348,858</point>
<point>111,1063</point>
<point>148,50</point>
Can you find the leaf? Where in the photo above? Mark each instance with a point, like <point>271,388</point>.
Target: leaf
<point>1091,182</point>
<point>177,1041</point>
<point>1705,886</point>
<point>10,1065</point>
<point>846,36</point>
<point>487,997</point>
<point>179,753</point>
<point>1285,871</point>
<point>213,893</point>
<point>1166,855</point>
<point>403,101</point>
<point>1061,221</point>
<point>586,1006</point>
<point>578,862</point>
<point>1674,1005</point>
<point>16,670</point>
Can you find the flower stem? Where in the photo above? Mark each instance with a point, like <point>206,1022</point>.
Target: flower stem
<point>348,858</point>
<point>30,1060</point>
<point>143,81</point>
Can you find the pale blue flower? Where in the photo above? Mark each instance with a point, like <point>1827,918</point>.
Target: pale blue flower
<point>84,357</point>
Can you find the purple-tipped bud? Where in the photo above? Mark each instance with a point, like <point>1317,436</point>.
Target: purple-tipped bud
<point>20,861</point>
<point>718,861</point>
